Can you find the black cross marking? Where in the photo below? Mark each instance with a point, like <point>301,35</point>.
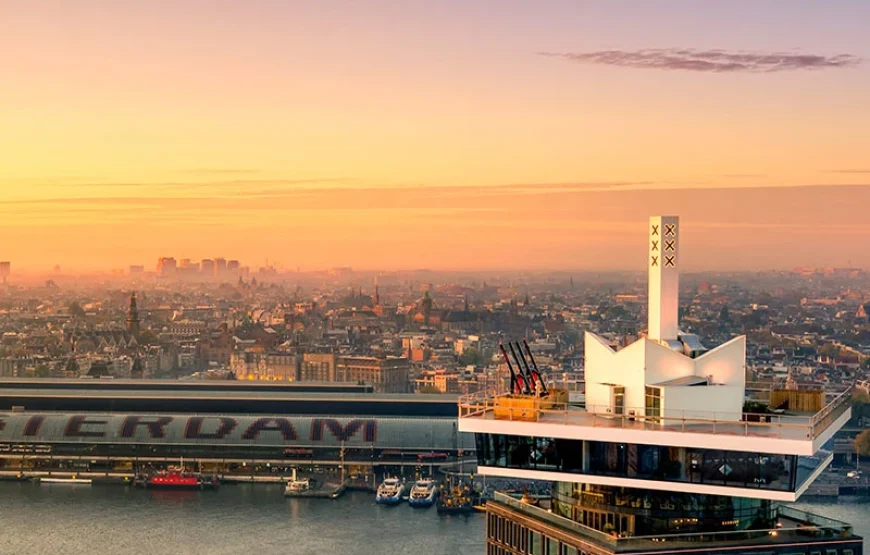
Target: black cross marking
<point>655,246</point>
<point>670,230</point>
<point>669,245</point>
<point>669,261</point>
<point>655,230</point>
<point>655,260</point>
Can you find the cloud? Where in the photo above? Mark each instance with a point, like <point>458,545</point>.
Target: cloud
<point>221,171</point>
<point>848,171</point>
<point>713,61</point>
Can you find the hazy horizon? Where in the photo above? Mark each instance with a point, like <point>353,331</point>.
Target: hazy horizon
<point>490,135</point>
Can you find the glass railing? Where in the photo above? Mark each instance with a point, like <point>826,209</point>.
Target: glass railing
<point>489,405</point>
<point>791,523</point>
<point>546,516</point>
<point>832,411</point>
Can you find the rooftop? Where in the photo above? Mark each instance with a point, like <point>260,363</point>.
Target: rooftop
<point>784,432</point>
<point>791,525</point>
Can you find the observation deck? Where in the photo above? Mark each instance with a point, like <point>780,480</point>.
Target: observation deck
<point>779,432</point>
<point>791,527</point>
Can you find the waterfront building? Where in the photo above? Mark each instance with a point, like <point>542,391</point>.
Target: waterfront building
<point>666,454</point>
<point>388,374</point>
<point>317,367</point>
<point>254,364</point>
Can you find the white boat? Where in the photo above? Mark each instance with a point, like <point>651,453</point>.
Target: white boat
<point>296,486</point>
<point>83,481</point>
<point>423,494</point>
<point>390,492</point>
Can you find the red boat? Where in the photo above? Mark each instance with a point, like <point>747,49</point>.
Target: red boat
<point>178,479</point>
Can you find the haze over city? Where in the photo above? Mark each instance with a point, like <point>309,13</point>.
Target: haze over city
<point>450,135</point>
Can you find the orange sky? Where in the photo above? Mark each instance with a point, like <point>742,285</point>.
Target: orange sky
<point>412,135</point>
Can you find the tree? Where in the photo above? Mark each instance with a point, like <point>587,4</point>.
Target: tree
<point>862,443</point>
<point>147,337</point>
<point>470,356</point>
<point>76,310</point>
<point>428,389</point>
<point>42,371</point>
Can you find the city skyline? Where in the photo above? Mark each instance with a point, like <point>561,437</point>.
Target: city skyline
<point>475,137</point>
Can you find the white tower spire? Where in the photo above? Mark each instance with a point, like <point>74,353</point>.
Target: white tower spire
<point>664,277</point>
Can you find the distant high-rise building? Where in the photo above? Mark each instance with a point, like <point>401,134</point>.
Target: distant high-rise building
<point>166,267</point>
<point>233,265</point>
<point>133,317</point>
<point>5,270</point>
<point>220,267</point>
<point>136,270</point>
<point>206,267</point>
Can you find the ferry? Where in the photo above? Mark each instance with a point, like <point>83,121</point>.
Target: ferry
<point>423,494</point>
<point>297,486</point>
<point>390,492</point>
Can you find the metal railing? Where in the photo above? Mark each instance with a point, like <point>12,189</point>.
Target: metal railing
<point>832,411</point>
<point>484,405</point>
<point>806,524</point>
<point>554,519</point>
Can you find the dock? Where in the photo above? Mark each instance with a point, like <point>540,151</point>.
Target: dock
<point>319,486</point>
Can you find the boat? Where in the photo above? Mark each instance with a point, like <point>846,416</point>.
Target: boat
<point>297,486</point>
<point>423,494</point>
<point>73,480</point>
<point>390,492</point>
<point>456,499</point>
<point>178,479</point>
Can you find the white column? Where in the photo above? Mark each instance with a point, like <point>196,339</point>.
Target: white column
<point>664,277</point>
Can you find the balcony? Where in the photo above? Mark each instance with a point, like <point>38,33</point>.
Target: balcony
<point>790,525</point>
<point>787,433</point>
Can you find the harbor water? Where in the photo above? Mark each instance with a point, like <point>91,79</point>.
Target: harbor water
<point>244,519</point>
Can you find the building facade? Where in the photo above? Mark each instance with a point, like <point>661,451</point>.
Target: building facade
<point>317,367</point>
<point>387,374</point>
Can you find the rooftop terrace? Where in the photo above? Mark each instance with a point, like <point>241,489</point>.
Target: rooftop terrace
<point>801,432</point>
<point>791,525</point>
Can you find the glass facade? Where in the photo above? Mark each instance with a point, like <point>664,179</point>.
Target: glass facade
<point>648,462</point>
<point>635,512</point>
<point>517,528</point>
<point>653,405</point>
<point>618,399</point>
<point>806,466</point>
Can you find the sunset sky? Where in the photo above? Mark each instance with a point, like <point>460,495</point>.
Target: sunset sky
<point>448,134</point>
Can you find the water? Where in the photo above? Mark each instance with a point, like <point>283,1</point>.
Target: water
<point>244,519</point>
<point>249,520</point>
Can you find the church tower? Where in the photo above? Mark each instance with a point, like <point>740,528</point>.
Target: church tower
<point>133,317</point>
